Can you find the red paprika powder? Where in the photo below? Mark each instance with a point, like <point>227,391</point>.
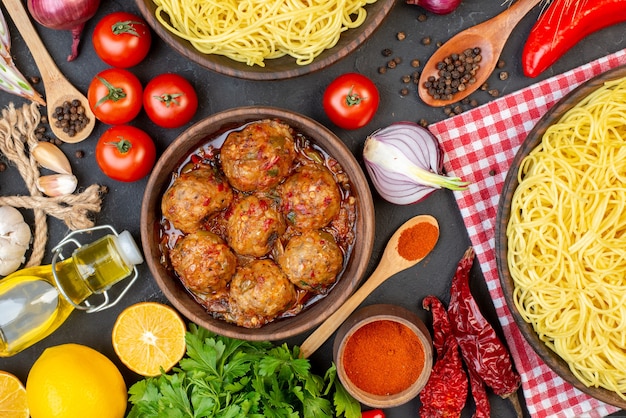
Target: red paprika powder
<point>383,357</point>
<point>417,241</point>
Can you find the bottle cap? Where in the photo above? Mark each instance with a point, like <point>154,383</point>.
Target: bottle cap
<point>128,248</point>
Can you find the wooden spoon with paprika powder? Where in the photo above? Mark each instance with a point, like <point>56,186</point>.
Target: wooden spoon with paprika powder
<point>409,245</point>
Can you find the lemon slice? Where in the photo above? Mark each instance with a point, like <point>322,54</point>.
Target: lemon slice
<point>13,402</point>
<point>148,336</point>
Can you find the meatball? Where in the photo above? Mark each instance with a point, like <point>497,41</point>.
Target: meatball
<point>254,224</point>
<point>194,196</point>
<point>259,292</point>
<point>259,156</point>
<point>310,197</point>
<point>203,261</point>
<point>312,260</point>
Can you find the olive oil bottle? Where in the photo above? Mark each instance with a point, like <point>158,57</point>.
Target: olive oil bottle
<point>35,301</point>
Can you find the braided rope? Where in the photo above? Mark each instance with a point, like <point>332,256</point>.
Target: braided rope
<point>17,137</point>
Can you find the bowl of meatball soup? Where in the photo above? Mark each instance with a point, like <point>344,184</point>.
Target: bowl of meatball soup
<point>257,223</point>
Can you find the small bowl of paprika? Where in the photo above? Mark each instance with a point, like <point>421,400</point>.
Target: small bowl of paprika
<point>384,355</point>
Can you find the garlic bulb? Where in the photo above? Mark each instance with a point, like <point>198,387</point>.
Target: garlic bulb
<point>14,239</point>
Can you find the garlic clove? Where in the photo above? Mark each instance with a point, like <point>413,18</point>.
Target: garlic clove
<point>57,184</point>
<point>51,157</point>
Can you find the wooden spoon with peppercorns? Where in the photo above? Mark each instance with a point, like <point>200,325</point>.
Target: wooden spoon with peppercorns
<point>463,64</point>
<point>409,245</point>
<point>58,89</point>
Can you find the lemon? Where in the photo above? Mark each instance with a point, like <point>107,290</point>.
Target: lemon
<point>75,381</point>
<point>13,402</point>
<point>148,336</point>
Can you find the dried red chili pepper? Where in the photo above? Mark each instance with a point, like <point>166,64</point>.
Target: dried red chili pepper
<point>445,392</point>
<point>482,350</point>
<point>562,25</point>
<point>479,393</point>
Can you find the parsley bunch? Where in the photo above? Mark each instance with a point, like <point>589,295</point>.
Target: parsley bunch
<point>229,378</point>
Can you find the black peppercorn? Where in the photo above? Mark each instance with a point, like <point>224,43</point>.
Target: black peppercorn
<point>455,72</point>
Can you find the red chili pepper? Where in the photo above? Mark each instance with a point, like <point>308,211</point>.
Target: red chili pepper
<point>445,392</point>
<point>562,25</point>
<point>482,350</point>
<point>374,413</point>
<point>479,393</point>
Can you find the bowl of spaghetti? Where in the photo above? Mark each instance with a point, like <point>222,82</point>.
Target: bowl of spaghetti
<point>265,40</point>
<point>561,235</point>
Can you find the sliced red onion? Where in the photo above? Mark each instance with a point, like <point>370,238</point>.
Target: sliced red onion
<point>403,161</point>
<point>440,7</point>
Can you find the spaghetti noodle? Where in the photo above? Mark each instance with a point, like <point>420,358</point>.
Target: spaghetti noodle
<point>253,30</point>
<point>567,238</point>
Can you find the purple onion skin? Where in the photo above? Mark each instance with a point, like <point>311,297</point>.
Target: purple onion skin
<point>440,7</point>
<point>400,197</point>
<point>425,152</point>
<point>64,15</point>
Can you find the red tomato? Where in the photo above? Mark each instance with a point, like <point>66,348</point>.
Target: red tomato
<point>122,39</point>
<point>373,413</point>
<point>125,153</point>
<point>351,101</point>
<point>115,96</point>
<point>170,100</point>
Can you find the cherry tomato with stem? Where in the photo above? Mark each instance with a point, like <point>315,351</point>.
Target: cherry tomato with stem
<point>122,39</point>
<point>115,96</point>
<point>125,153</point>
<point>373,413</point>
<point>170,101</point>
<point>351,100</point>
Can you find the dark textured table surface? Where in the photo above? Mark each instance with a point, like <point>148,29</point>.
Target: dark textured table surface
<point>121,205</point>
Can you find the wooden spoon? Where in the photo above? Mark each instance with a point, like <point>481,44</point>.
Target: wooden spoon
<point>391,263</point>
<point>58,88</point>
<point>490,36</point>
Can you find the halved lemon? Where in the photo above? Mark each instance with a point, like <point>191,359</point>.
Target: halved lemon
<point>148,336</point>
<point>13,401</point>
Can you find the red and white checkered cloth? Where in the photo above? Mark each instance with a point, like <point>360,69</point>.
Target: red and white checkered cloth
<point>477,144</point>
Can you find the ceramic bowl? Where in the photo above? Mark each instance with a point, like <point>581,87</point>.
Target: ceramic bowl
<point>275,69</point>
<point>356,323</point>
<point>533,139</point>
<point>209,129</point>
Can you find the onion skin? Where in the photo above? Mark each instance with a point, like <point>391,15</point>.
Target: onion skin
<point>403,161</point>
<point>440,7</point>
<point>64,15</point>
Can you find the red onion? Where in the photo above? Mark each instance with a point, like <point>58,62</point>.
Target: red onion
<point>440,7</point>
<point>64,15</point>
<point>404,161</point>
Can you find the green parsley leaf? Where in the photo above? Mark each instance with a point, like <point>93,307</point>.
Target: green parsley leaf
<point>228,378</point>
